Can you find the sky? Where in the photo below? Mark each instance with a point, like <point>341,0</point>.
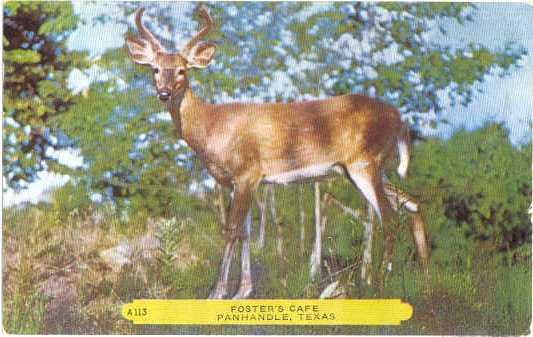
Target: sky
<point>508,100</point>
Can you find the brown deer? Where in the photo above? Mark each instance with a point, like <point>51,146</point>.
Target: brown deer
<point>243,145</point>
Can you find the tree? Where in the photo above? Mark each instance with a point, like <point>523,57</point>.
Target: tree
<point>143,167</point>
<point>35,91</point>
<point>476,189</point>
<point>270,52</point>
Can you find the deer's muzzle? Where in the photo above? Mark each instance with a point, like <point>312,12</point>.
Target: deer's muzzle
<point>163,95</point>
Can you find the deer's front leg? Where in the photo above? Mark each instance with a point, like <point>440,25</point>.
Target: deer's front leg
<point>246,286</point>
<point>240,206</point>
<point>220,289</point>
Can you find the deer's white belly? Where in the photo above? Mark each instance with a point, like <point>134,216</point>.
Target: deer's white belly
<point>308,172</point>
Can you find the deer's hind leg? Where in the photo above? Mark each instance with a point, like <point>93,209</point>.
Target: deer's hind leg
<point>399,199</point>
<point>369,181</point>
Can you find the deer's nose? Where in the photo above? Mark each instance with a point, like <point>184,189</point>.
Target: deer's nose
<point>163,95</point>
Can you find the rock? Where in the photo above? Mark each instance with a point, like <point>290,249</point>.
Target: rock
<point>118,256</point>
<point>56,287</point>
<point>62,312</point>
<point>147,246</point>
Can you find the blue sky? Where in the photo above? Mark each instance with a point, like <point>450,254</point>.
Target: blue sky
<point>509,99</point>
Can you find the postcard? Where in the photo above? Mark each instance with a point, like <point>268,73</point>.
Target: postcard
<point>260,168</point>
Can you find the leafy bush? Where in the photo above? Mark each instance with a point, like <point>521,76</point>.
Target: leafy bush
<point>475,190</point>
<point>35,85</point>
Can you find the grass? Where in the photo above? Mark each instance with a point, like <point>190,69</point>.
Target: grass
<point>487,296</point>
<point>24,306</point>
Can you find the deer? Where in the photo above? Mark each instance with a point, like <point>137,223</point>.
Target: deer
<point>243,145</point>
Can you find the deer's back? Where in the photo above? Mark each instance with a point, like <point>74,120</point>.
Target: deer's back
<point>289,136</point>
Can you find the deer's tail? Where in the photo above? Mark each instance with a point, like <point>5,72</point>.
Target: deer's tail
<point>403,150</point>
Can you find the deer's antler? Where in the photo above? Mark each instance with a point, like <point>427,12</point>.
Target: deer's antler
<point>144,32</point>
<point>209,24</point>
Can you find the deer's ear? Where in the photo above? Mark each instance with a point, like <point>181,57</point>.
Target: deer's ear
<point>201,55</point>
<point>140,50</point>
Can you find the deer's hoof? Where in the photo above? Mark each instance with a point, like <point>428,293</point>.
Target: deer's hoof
<point>243,292</point>
<point>216,294</point>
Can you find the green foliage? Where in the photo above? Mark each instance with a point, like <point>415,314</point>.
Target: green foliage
<point>24,312</point>
<point>475,189</point>
<point>21,57</point>
<point>428,10</point>
<point>421,68</point>
<point>23,305</point>
<point>186,256</point>
<point>168,236</point>
<point>35,72</point>
<point>71,199</point>
<point>147,180</point>
<point>139,168</point>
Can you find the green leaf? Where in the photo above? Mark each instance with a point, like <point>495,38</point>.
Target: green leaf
<point>12,6</point>
<point>22,56</point>
<point>58,25</point>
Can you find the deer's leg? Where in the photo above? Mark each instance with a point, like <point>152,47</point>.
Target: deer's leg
<point>220,204</point>
<point>246,286</point>
<point>240,206</point>
<point>368,180</point>
<point>220,289</point>
<point>261,201</point>
<point>316,255</point>
<point>366,275</point>
<point>399,199</point>
<point>418,231</point>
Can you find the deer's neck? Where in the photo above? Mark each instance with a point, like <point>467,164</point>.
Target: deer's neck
<point>187,112</point>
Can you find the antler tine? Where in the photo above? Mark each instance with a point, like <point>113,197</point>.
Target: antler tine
<point>209,23</point>
<point>144,32</point>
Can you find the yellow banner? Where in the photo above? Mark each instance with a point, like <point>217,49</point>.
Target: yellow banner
<point>268,312</point>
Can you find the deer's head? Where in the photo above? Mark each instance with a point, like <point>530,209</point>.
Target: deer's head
<point>170,69</point>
